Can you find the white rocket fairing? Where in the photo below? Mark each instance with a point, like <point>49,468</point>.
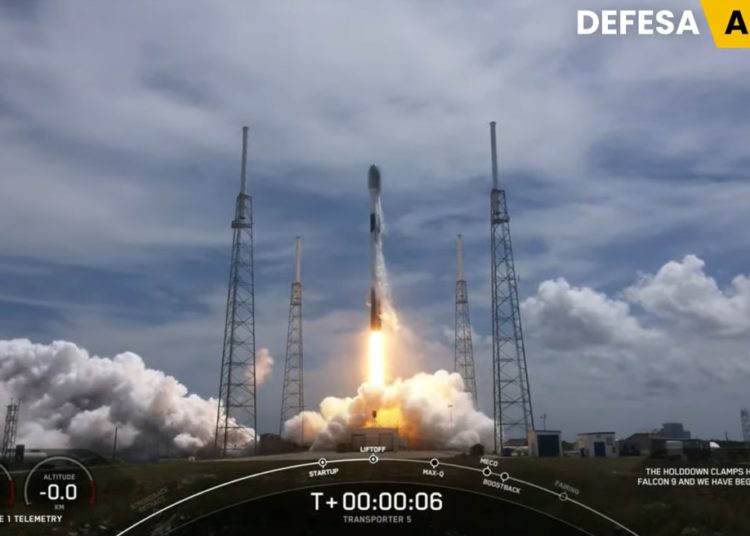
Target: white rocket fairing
<point>373,184</point>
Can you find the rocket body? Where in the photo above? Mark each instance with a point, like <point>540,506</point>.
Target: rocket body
<point>373,185</point>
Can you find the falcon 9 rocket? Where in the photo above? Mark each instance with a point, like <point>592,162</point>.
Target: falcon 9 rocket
<point>373,184</point>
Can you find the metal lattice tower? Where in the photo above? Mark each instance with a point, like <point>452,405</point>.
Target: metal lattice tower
<point>292,394</point>
<point>237,401</point>
<point>511,395</point>
<point>463,361</point>
<point>745,419</point>
<point>9,433</point>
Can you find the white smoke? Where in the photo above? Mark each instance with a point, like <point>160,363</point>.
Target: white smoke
<point>431,411</point>
<point>263,366</point>
<point>70,398</point>
<point>388,311</point>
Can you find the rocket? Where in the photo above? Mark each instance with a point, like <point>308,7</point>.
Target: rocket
<point>373,184</point>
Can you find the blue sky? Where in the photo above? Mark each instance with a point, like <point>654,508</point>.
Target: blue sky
<point>120,139</point>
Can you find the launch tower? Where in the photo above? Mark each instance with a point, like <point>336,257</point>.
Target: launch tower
<point>463,362</point>
<point>292,397</point>
<point>9,433</point>
<point>511,395</point>
<point>237,401</point>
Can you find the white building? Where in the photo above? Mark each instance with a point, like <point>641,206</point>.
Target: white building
<point>545,443</point>
<point>597,445</point>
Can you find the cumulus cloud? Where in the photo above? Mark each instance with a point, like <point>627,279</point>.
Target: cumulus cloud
<point>70,398</point>
<point>682,291</point>
<point>648,346</point>
<point>565,317</point>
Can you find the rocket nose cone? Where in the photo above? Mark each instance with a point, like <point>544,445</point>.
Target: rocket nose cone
<point>373,178</point>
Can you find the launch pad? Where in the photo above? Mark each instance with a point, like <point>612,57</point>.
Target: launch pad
<point>375,439</point>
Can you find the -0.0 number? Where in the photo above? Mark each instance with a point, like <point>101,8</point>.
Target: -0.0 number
<point>70,492</point>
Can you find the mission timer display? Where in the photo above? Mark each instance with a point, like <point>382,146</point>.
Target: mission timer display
<point>386,501</point>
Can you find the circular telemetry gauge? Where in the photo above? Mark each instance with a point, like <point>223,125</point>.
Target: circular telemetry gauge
<point>7,488</point>
<point>59,481</point>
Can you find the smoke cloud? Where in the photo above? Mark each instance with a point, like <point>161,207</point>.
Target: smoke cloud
<point>388,311</point>
<point>431,411</point>
<point>70,398</point>
<point>263,366</point>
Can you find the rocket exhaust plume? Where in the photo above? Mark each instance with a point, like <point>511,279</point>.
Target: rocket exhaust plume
<point>432,411</point>
<point>377,372</point>
<point>72,399</point>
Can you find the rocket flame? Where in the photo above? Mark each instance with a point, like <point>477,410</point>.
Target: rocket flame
<point>377,373</point>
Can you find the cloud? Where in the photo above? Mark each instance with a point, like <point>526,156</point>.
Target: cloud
<point>682,291</point>
<point>564,317</point>
<point>165,113</point>
<point>610,341</point>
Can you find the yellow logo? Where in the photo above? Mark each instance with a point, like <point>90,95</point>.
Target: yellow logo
<point>729,21</point>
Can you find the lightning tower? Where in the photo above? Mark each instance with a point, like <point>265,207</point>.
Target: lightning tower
<point>463,361</point>
<point>237,409</point>
<point>511,395</point>
<point>292,397</point>
<point>9,433</point>
<point>745,420</point>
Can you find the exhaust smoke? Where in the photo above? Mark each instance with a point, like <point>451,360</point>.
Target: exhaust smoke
<point>72,399</point>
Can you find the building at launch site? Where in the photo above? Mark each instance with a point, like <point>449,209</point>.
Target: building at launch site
<point>597,445</point>
<point>387,439</point>
<point>545,443</point>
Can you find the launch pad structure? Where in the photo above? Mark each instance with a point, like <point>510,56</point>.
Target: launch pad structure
<point>9,432</point>
<point>512,409</point>
<point>292,392</point>
<point>237,409</point>
<point>463,349</point>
